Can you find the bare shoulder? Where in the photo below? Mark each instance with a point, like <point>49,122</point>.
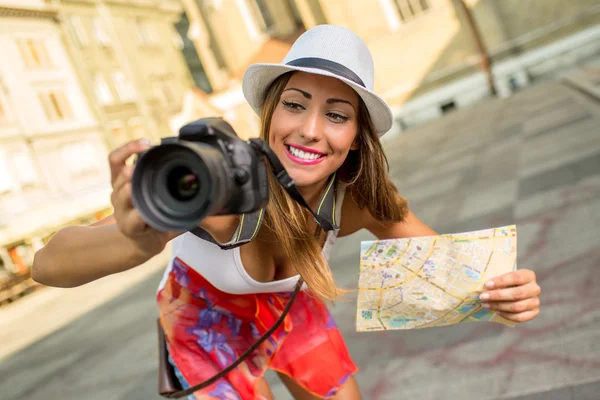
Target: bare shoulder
<point>355,218</point>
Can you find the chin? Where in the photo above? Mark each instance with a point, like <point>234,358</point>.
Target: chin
<point>305,178</point>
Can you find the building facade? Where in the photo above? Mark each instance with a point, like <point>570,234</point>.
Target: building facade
<point>128,55</point>
<point>427,58</point>
<point>53,168</point>
<point>77,79</point>
<point>80,77</point>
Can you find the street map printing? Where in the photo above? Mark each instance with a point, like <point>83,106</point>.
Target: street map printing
<point>431,281</point>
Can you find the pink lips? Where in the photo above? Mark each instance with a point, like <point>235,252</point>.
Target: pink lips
<point>301,160</point>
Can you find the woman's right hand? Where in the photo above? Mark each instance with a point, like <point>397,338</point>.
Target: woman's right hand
<point>147,240</point>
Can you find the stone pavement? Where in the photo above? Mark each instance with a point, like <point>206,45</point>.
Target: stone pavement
<point>532,159</point>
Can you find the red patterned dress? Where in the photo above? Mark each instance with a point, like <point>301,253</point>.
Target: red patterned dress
<point>208,329</point>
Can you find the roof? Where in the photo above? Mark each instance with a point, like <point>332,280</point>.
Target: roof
<point>272,51</point>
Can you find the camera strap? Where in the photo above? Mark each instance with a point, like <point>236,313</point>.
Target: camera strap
<point>288,183</point>
<point>325,217</point>
<point>250,222</point>
<point>175,394</point>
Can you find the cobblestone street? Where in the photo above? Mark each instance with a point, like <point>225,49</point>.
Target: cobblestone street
<point>532,160</point>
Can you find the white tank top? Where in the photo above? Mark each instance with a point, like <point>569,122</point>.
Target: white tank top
<point>224,268</point>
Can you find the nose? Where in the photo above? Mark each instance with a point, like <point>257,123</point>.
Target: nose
<point>312,126</point>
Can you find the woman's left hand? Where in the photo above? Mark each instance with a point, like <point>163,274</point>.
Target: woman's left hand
<point>515,295</point>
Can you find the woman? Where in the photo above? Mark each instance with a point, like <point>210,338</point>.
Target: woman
<point>320,116</point>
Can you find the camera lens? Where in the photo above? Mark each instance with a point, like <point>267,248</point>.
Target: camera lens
<point>176,185</point>
<point>182,183</point>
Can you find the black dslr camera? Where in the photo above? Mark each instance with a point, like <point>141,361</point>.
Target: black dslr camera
<point>206,170</point>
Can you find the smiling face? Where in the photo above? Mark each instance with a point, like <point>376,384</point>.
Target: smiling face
<point>314,126</point>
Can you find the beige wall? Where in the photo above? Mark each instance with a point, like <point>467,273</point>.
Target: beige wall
<point>282,17</point>
<point>521,17</point>
<point>229,33</point>
<point>413,54</point>
<point>366,18</point>
<point>52,148</point>
<point>130,63</point>
<point>311,12</point>
<point>236,30</point>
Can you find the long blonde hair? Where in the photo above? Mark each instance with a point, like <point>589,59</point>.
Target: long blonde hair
<point>365,173</point>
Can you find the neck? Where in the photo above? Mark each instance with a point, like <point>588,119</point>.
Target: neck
<point>312,194</point>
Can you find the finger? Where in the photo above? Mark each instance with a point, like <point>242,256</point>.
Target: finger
<point>520,317</point>
<point>133,224</point>
<point>123,177</point>
<point>511,294</point>
<point>121,200</point>
<point>119,156</point>
<point>514,306</point>
<point>514,278</point>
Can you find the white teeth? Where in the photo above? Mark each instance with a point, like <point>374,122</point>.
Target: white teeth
<point>302,154</point>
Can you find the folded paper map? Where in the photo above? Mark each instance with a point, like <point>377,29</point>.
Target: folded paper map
<point>431,281</point>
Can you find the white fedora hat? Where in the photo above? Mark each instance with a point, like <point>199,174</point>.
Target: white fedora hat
<point>325,50</point>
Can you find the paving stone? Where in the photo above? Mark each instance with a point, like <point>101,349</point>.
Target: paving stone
<point>506,161</point>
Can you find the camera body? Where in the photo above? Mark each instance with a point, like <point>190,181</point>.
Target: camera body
<point>206,170</point>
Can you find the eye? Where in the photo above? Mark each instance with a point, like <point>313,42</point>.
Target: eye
<point>292,105</point>
<point>338,118</point>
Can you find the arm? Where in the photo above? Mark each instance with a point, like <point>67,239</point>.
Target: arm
<point>410,227</point>
<point>355,219</point>
<point>77,255</point>
<point>80,254</point>
<point>514,296</point>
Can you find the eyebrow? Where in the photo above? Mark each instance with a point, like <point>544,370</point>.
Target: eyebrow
<point>334,100</point>
<point>305,94</point>
<point>329,101</point>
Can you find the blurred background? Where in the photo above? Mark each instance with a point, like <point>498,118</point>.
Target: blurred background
<point>496,121</point>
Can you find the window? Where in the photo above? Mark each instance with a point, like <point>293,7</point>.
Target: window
<point>119,135</point>
<point>21,257</point>
<point>264,15</point>
<point>3,112</point>
<point>6,183</point>
<point>167,92</point>
<point>5,261</point>
<point>249,20</point>
<point>409,9</point>
<point>33,52</point>
<point>145,33</point>
<point>194,33</point>
<point>79,158</point>
<point>56,106</point>
<point>100,33</point>
<point>78,31</point>
<point>137,128</point>
<point>124,87</point>
<point>178,42</point>
<point>25,169</point>
<point>164,91</point>
<point>448,106</point>
<point>102,90</point>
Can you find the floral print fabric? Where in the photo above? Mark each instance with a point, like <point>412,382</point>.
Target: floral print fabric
<point>207,330</point>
